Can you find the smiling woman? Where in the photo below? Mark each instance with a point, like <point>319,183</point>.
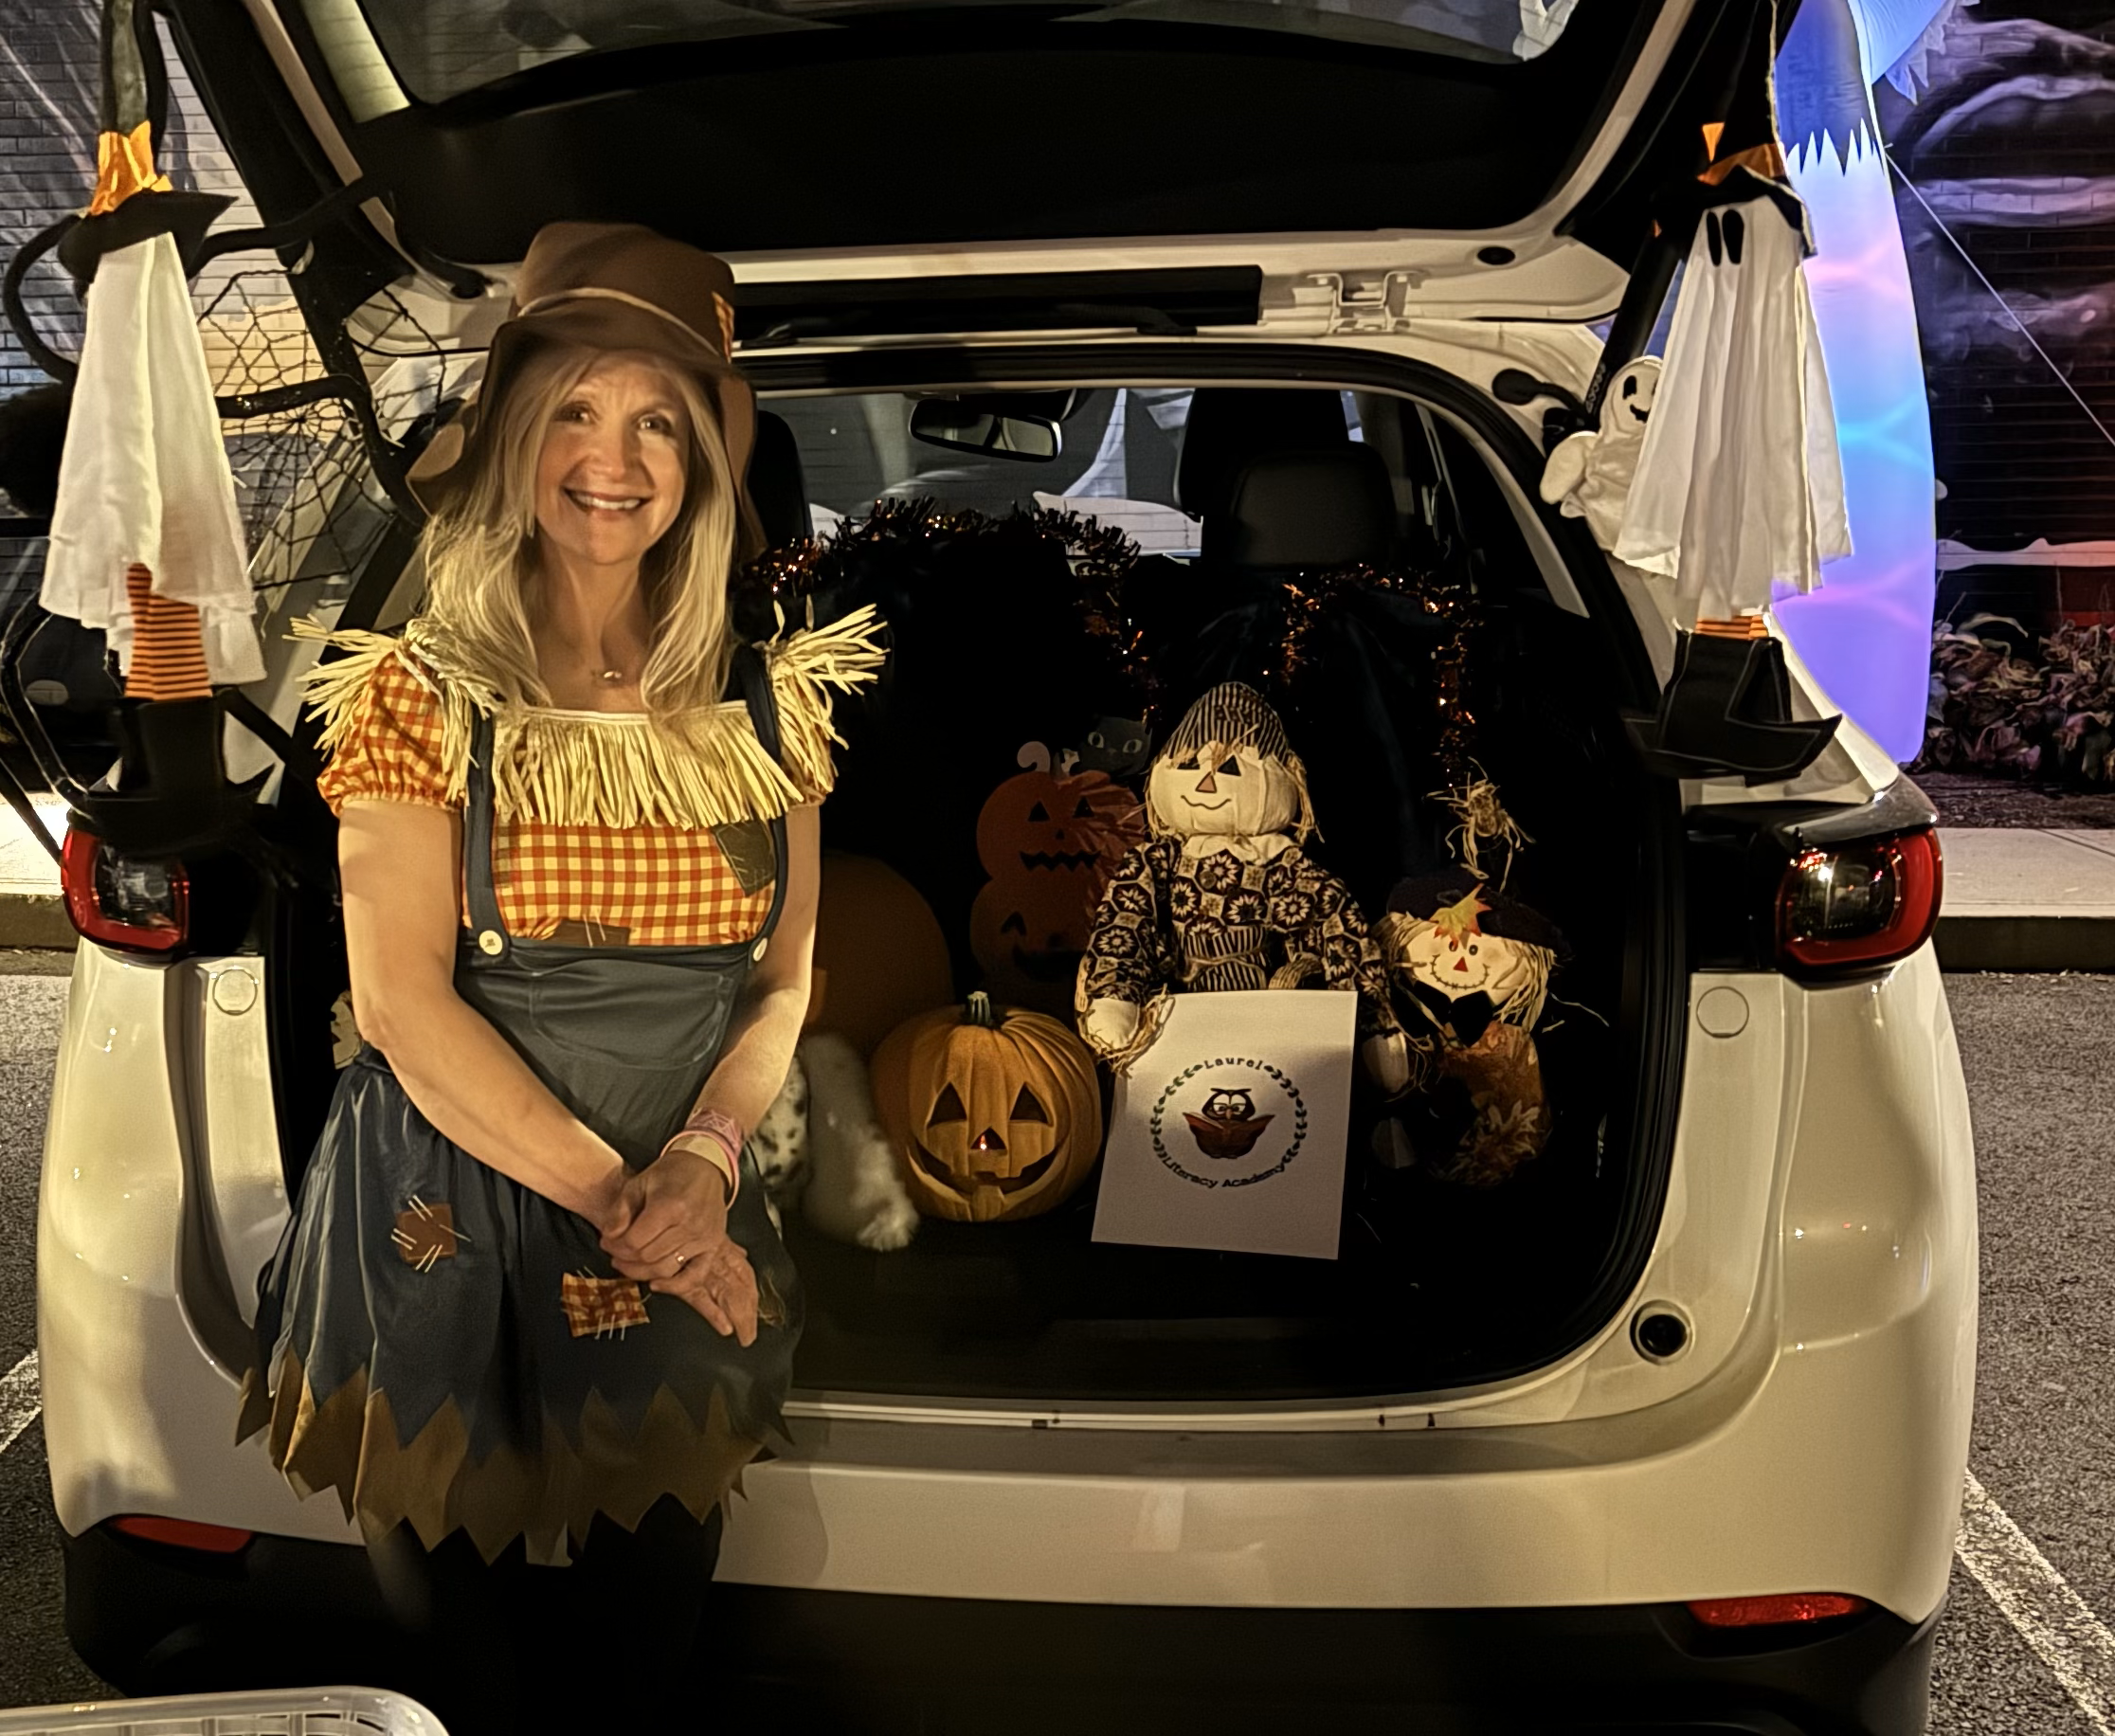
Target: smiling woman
<point>530,1307</point>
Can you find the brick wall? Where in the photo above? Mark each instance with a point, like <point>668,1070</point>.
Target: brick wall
<point>2012,155</point>
<point>47,154</point>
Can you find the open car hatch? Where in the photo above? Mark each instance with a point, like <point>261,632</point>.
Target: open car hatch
<point>1343,162</point>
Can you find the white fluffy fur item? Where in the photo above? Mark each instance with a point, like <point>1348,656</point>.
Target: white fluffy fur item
<point>820,1149</point>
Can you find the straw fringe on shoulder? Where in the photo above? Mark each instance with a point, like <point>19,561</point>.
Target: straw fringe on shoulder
<point>617,768</point>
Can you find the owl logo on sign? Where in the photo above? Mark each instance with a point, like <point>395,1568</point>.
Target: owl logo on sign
<point>1227,1125</point>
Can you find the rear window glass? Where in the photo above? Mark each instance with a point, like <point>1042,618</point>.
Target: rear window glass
<point>438,48</point>
<point>1118,452</point>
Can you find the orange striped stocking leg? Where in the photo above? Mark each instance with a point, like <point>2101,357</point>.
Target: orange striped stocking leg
<point>169,644</point>
<point>1738,627</point>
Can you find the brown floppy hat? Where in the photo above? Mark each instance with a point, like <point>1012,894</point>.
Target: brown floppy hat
<point>614,286</point>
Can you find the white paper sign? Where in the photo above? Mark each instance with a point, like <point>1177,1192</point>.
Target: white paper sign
<point>1230,1132</point>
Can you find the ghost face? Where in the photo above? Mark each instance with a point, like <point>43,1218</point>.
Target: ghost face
<point>1630,399</point>
<point>1221,793</point>
<point>1460,963</point>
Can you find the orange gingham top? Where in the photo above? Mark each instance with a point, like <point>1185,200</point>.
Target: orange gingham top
<point>665,886</point>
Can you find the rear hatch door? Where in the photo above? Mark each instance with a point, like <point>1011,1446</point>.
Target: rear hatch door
<point>1439,154</point>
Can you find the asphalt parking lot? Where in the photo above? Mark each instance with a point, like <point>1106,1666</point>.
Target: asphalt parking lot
<point>2025,1648</point>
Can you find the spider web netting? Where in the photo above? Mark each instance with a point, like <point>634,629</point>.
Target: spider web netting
<point>312,507</point>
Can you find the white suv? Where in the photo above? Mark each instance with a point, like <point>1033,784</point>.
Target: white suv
<point>1668,1434</point>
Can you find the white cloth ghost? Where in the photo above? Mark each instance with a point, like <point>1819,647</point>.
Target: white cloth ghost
<point>1740,483</point>
<point>144,476</point>
<point>1589,472</point>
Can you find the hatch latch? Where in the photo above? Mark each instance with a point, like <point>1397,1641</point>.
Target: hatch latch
<point>1352,302</point>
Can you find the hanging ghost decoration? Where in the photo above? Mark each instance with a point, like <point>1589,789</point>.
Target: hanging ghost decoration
<point>1589,475</point>
<point>1739,484</point>
<point>1739,494</point>
<point>1471,970</point>
<point>1221,896</point>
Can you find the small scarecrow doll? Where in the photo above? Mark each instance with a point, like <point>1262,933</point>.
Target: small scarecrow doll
<point>1221,896</point>
<point>1471,968</point>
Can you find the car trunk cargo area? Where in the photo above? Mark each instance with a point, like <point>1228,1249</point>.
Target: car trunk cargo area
<point>1001,581</point>
<point>1000,654</point>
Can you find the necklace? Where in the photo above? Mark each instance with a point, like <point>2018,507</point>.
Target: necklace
<point>610,677</point>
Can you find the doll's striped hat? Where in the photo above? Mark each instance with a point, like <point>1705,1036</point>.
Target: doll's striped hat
<point>1234,714</point>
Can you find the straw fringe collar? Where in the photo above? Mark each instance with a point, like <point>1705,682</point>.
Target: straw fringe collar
<point>615,768</point>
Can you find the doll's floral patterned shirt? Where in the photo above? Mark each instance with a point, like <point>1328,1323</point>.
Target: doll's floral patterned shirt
<point>1217,921</point>
<point>601,885</point>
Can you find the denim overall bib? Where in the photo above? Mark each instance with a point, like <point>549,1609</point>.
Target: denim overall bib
<point>445,1347</point>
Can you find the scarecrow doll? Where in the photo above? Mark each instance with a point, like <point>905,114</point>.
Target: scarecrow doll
<point>1221,896</point>
<point>1471,968</point>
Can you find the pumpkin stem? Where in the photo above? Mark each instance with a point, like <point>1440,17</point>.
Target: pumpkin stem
<point>980,1012</point>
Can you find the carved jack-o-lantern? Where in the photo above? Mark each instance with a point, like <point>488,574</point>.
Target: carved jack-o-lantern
<point>994,1113</point>
<point>1050,844</point>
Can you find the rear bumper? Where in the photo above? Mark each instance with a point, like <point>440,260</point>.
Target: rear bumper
<point>286,1610</point>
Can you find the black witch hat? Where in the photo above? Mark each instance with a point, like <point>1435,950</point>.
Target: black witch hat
<point>1428,897</point>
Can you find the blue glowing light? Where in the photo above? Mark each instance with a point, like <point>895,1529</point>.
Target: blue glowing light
<point>1866,634</point>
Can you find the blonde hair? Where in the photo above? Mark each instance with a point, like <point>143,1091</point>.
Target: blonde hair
<point>480,547</point>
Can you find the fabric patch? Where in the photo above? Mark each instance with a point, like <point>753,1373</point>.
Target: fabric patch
<point>597,1307</point>
<point>747,847</point>
<point>771,1306</point>
<point>425,1235</point>
<point>346,1040</point>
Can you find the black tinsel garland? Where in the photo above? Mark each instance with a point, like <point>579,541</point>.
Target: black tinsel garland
<point>781,583</point>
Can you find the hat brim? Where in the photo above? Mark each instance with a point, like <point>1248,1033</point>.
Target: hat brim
<point>598,324</point>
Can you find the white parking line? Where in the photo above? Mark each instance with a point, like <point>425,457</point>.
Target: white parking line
<point>2038,1601</point>
<point>19,1400</point>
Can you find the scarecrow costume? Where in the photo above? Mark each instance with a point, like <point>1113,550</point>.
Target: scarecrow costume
<point>1221,896</point>
<point>1472,970</point>
<point>437,1342</point>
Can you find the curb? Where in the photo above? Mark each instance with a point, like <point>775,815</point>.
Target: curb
<point>2026,943</point>
<point>36,921</point>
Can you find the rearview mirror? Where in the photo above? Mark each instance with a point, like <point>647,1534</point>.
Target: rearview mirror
<point>991,426</point>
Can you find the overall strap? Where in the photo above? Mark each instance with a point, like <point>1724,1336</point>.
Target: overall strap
<point>752,679</point>
<point>476,843</point>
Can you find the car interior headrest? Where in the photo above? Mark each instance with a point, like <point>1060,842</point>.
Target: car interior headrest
<point>776,483</point>
<point>1228,426</point>
<point>1306,509</point>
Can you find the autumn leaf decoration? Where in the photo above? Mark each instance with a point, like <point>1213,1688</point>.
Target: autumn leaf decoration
<point>1457,921</point>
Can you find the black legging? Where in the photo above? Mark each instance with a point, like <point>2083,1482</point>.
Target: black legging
<point>606,1643</point>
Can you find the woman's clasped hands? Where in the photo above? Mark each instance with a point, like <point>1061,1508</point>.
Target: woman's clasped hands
<point>668,1229</point>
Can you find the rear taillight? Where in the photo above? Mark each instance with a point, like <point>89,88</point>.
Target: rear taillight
<point>183,1533</point>
<point>1776,1611</point>
<point>139,903</point>
<point>1858,906</point>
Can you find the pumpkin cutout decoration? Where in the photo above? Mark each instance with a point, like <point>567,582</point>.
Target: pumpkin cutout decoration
<point>1050,844</point>
<point>994,1112</point>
